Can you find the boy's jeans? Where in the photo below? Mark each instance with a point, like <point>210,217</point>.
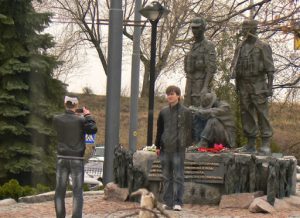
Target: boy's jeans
<point>172,164</point>
<point>65,167</point>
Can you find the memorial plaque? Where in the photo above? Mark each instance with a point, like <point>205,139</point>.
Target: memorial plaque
<point>202,172</point>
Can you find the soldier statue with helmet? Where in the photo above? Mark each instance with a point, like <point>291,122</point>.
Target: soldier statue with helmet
<point>199,64</point>
<point>252,68</point>
<point>200,67</point>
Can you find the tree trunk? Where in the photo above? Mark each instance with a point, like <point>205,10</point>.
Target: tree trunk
<point>145,86</point>
<point>102,58</point>
<point>146,77</point>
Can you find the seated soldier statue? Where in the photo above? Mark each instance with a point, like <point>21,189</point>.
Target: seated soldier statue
<point>214,123</point>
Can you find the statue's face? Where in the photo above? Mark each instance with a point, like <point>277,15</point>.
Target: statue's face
<point>198,31</point>
<point>248,30</point>
<point>206,100</point>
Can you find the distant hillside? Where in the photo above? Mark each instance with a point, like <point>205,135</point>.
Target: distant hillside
<point>285,121</point>
<point>96,105</point>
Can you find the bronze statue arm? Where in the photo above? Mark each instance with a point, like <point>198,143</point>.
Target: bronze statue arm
<point>211,67</point>
<point>187,95</point>
<point>270,83</point>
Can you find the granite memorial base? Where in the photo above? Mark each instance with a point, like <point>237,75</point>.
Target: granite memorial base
<point>208,176</point>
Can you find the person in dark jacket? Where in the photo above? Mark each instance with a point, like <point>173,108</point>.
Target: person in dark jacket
<point>71,128</point>
<point>172,138</point>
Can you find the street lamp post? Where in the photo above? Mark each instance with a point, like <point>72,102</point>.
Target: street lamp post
<point>153,13</point>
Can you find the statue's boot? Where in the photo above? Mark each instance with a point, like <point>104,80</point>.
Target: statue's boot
<point>192,148</point>
<point>265,147</point>
<point>202,143</point>
<point>249,148</point>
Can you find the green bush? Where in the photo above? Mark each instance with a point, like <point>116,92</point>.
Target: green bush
<point>13,189</point>
<point>27,191</point>
<point>86,187</point>
<point>40,188</point>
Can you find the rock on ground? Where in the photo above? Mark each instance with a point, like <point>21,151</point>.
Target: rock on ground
<point>260,205</point>
<point>113,192</point>
<point>238,200</point>
<point>8,201</point>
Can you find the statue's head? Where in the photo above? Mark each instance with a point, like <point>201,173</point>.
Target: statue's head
<point>198,25</point>
<point>249,26</point>
<point>208,100</point>
<point>198,22</point>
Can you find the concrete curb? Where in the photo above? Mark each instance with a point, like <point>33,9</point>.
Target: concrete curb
<point>49,196</point>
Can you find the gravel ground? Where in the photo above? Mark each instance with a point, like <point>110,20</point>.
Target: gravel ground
<point>96,207</point>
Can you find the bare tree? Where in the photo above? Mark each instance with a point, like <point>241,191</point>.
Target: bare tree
<point>224,17</point>
<point>278,27</point>
<point>89,17</point>
<point>67,50</point>
<point>68,45</point>
<point>174,36</point>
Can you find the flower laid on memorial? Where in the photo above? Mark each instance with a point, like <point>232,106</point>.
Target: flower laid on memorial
<point>150,148</point>
<point>216,149</point>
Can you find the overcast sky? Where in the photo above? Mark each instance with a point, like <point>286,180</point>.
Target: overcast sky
<point>91,74</point>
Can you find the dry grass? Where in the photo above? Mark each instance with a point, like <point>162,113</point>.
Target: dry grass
<point>285,121</point>
<point>96,105</point>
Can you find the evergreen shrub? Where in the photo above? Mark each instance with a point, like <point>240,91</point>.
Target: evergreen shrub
<point>13,189</point>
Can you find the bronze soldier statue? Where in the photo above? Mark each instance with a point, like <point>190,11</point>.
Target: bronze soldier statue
<point>252,68</point>
<point>199,64</point>
<point>217,122</point>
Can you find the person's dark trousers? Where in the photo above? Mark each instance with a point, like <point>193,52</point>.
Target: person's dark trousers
<point>172,164</point>
<point>64,168</point>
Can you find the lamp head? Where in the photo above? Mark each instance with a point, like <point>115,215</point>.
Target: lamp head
<point>154,11</point>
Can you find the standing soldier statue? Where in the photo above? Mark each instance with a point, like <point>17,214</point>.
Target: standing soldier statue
<point>199,64</point>
<point>252,68</point>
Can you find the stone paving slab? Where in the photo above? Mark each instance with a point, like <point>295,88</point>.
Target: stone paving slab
<point>96,207</point>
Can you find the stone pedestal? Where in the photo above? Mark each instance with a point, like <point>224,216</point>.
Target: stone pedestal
<point>208,176</point>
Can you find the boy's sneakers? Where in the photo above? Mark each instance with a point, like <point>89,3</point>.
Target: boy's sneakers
<point>177,207</point>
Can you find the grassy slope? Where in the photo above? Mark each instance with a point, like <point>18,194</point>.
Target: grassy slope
<point>285,121</point>
<point>286,125</point>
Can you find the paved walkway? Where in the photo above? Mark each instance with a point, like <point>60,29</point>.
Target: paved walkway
<point>96,207</point>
